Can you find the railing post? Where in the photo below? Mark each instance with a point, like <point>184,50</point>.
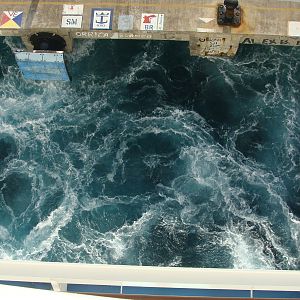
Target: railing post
<point>59,287</point>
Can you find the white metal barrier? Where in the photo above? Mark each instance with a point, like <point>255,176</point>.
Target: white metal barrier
<point>10,292</point>
<point>61,274</point>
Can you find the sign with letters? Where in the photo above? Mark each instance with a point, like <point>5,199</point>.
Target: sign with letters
<point>71,21</point>
<point>11,19</point>
<point>152,22</point>
<point>101,19</point>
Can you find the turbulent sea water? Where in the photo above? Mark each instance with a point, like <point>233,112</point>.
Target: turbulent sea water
<point>152,157</point>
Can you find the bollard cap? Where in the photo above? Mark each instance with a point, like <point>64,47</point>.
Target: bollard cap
<point>231,4</point>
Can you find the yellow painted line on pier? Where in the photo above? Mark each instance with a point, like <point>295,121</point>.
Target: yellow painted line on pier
<point>137,4</point>
<point>158,5</point>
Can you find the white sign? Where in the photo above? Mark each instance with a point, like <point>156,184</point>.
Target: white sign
<point>294,28</point>
<point>71,21</point>
<point>152,22</point>
<point>70,9</point>
<point>101,19</point>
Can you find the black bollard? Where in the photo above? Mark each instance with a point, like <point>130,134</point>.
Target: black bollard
<point>229,13</point>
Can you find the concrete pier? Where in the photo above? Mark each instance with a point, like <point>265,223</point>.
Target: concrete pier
<point>270,22</point>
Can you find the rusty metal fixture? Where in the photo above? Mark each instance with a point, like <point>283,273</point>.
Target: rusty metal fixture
<point>229,13</point>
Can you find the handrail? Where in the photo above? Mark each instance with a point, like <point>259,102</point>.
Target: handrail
<point>68,273</point>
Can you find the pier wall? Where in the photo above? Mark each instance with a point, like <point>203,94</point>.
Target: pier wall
<point>268,22</point>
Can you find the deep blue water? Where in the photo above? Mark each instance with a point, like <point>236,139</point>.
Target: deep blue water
<point>150,156</point>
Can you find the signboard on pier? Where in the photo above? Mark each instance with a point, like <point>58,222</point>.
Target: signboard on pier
<point>152,22</point>
<point>125,22</point>
<point>294,28</point>
<point>70,9</point>
<point>71,21</point>
<point>101,19</point>
<point>11,19</point>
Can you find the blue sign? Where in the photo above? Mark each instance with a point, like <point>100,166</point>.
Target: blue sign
<point>101,19</point>
<point>42,66</point>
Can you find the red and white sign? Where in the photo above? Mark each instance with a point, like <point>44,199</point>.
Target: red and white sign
<point>152,22</point>
<point>70,9</point>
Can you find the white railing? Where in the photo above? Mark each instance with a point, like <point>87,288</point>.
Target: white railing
<point>12,292</point>
<point>65,273</point>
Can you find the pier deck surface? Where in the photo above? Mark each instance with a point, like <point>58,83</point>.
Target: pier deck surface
<point>185,20</point>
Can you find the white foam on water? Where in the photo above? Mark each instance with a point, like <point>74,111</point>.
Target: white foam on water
<point>81,50</point>
<point>4,233</point>
<point>41,238</point>
<point>247,253</point>
<point>208,164</point>
<point>123,238</point>
<point>108,247</point>
<point>4,255</point>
